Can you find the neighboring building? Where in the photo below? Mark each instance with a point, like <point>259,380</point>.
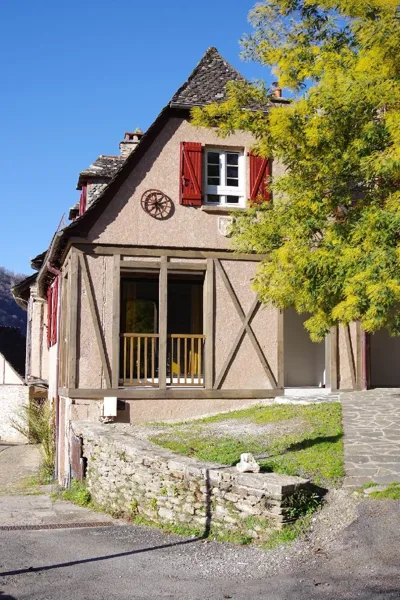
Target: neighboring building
<point>147,312</point>
<point>13,391</point>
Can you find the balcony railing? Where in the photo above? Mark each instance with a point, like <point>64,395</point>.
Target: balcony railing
<point>140,359</point>
<point>185,359</point>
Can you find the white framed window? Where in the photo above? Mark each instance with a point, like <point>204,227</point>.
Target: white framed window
<point>224,177</point>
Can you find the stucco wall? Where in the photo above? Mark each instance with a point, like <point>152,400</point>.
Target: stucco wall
<point>89,367</point>
<point>124,221</point>
<point>246,371</point>
<point>12,397</point>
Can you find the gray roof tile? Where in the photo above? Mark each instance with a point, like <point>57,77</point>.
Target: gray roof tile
<point>104,167</point>
<point>207,82</point>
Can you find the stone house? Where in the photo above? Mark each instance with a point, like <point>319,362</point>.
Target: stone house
<point>13,391</point>
<point>140,309</point>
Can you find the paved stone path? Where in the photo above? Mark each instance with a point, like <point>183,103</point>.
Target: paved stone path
<point>43,510</point>
<point>371,423</point>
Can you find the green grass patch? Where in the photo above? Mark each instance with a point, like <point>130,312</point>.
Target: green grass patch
<point>392,492</point>
<point>315,452</point>
<point>289,533</point>
<point>76,493</point>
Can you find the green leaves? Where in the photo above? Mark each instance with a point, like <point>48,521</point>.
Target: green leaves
<point>332,234</point>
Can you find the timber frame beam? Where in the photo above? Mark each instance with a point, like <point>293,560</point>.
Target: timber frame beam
<point>168,393</point>
<point>110,250</point>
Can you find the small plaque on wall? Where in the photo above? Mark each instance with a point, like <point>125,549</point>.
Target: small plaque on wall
<point>224,225</point>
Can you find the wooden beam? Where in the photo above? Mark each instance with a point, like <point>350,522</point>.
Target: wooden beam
<point>116,320</point>
<point>246,326</point>
<point>162,329</point>
<point>107,250</point>
<point>281,348</point>
<point>209,326</point>
<point>170,393</point>
<point>73,318</point>
<point>145,265</point>
<point>138,265</point>
<point>350,356</point>
<point>95,319</point>
<point>186,266</point>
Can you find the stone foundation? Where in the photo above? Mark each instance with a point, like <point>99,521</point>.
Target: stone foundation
<point>132,477</point>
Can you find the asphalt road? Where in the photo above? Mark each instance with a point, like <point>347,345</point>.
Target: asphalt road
<point>363,563</point>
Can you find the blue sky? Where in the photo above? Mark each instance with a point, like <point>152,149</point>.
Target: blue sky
<point>75,76</point>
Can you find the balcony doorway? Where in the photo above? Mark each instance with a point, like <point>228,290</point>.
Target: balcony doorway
<point>139,326</point>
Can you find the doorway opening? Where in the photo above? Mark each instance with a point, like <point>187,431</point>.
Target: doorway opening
<point>304,360</point>
<point>384,360</point>
<point>140,327</point>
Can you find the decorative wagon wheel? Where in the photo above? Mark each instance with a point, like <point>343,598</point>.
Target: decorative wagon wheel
<point>156,204</point>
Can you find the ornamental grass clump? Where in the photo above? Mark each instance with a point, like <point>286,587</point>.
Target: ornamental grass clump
<point>35,421</point>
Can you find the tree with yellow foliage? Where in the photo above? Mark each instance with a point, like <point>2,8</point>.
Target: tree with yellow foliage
<point>332,231</point>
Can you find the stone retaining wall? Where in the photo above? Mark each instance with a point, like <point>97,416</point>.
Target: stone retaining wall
<point>130,476</point>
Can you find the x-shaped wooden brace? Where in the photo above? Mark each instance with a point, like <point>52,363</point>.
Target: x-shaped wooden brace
<point>245,328</point>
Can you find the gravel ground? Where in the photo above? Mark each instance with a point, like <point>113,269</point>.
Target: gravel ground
<point>136,563</point>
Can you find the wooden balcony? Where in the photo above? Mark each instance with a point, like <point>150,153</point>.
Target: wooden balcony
<point>185,360</point>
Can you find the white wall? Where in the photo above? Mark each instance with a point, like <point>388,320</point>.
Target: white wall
<point>12,397</point>
<point>304,360</point>
<point>7,373</point>
<point>385,360</point>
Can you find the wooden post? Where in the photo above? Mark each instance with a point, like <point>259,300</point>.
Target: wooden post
<point>209,323</point>
<point>163,313</point>
<point>73,318</point>
<point>281,348</point>
<point>116,320</point>
<point>334,359</point>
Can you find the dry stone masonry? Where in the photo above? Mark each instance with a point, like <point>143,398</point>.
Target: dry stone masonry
<point>130,477</point>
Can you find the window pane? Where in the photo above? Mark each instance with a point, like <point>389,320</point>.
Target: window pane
<point>213,180</point>
<point>214,198</point>
<point>232,172</point>
<point>232,182</point>
<point>213,171</point>
<point>232,199</point>
<point>232,159</point>
<point>213,158</point>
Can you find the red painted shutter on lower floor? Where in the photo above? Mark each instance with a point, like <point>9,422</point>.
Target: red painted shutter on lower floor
<point>49,314</point>
<point>54,313</point>
<point>190,184</point>
<point>82,201</point>
<point>260,170</point>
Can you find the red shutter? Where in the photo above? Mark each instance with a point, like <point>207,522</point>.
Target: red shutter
<point>190,174</point>
<point>54,313</point>
<point>49,314</point>
<point>82,201</point>
<point>52,308</point>
<point>260,169</point>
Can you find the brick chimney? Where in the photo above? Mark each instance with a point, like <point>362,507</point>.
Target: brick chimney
<point>130,141</point>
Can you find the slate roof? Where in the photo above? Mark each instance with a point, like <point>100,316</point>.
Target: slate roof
<point>12,347</point>
<point>207,81</point>
<point>104,167</point>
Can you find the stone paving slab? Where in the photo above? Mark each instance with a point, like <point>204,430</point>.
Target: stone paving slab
<point>371,422</point>
<point>42,510</point>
